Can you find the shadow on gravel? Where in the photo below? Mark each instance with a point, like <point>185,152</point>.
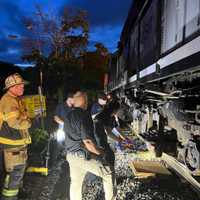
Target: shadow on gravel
<point>61,190</point>
<point>154,188</point>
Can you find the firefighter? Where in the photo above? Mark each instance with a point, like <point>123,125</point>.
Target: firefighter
<point>14,135</point>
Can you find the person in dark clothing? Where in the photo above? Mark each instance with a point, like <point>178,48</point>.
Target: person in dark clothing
<point>104,122</point>
<point>58,150</point>
<point>61,113</point>
<point>63,109</point>
<point>83,154</point>
<point>99,105</point>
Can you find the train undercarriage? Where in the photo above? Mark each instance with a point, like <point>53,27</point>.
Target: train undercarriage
<point>167,114</point>
<point>156,72</point>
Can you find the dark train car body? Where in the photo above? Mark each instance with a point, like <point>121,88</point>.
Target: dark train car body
<point>160,39</point>
<point>157,67</point>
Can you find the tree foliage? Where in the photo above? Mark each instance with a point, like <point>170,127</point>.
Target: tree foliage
<point>94,66</point>
<point>55,43</point>
<point>58,46</point>
<point>56,37</point>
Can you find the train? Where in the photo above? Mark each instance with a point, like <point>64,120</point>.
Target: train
<point>156,72</point>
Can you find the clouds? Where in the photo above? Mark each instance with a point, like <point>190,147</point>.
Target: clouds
<point>106,19</point>
<point>11,24</point>
<point>10,50</point>
<point>104,12</point>
<point>110,33</point>
<point>11,16</point>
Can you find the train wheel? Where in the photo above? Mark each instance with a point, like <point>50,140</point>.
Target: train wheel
<point>192,156</point>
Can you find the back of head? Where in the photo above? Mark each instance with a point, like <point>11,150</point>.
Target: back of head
<point>102,99</point>
<point>69,95</point>
<point>102,96</point>
<point>80,100</point>
<point>69,99</point>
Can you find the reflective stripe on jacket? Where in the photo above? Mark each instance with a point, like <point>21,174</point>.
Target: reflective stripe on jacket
<point>24,141</point>
<point>10,192</point>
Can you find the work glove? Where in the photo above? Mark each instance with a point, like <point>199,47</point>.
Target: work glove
<point>126,144</point>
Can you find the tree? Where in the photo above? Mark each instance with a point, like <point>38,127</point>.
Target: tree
<point>55,44</point>
<point>95,65</point>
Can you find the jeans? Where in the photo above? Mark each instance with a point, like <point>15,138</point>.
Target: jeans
<point>79,168</point>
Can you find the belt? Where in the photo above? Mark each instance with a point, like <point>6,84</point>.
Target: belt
<point>9,115</point>
<point>85,155</point>
<point>80,154</point>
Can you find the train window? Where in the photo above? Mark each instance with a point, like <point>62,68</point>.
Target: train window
<point>172,24</point>
<point>119,65</point>
<point>126,53</point>
<point>148,35</point>
<point>124,58</point>
<point>123,61</point>
<point>192,17</point>
<point>112,70</point>
<point>133,51</point>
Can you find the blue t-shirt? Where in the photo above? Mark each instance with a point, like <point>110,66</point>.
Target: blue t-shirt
<point>62,110</point>
<point>96,108</point>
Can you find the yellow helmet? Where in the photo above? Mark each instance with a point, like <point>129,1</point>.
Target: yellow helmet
<point>14,79</point>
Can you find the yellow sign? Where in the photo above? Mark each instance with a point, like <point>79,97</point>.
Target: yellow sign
<point>35,105</point>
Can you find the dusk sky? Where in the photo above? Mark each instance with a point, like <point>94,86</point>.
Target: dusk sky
<point>106,18</point>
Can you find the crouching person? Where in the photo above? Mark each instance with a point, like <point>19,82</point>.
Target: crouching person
<point>14,136</point>
<point>82,153</point>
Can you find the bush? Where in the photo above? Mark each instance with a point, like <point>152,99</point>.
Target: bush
<point>39,139</point>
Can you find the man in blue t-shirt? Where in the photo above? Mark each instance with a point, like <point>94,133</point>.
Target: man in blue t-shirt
<point>97,107</point>
<point>63,109</point>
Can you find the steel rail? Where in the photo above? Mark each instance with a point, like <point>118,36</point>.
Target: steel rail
<point>177,167</point>
<point>181,170</point>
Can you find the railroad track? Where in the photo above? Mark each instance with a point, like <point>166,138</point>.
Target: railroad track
<point>169,163</point>
<point>181,170</point>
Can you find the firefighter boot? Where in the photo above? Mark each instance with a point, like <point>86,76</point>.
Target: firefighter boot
<point>12,183</point>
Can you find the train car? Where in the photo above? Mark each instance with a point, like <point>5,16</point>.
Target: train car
<point>157,71</point>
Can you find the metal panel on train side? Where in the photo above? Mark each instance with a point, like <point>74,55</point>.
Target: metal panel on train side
<point>133,51</point>
<point>192,17</point>
<point>113,70</point>
<point>148,35</point>
<point>122,61</point>
<point>173,14</point>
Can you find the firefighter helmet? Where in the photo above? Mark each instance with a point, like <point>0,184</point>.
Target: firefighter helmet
<point>14,79</point>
